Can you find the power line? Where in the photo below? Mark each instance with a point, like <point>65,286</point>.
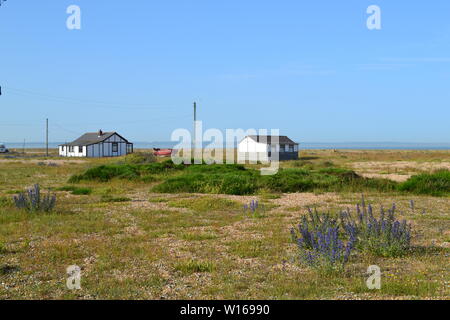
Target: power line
<point>101,104</point>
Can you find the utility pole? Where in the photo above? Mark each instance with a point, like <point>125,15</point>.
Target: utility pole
<point>46,136</point>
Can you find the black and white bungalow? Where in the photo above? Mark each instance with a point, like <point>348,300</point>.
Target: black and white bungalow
<point>97,145</point>
<point>264,148</point>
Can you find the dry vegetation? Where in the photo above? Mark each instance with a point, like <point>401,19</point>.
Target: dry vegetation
<point>135,244</point>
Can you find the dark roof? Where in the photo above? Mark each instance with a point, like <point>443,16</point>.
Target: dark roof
<point>90,138</point>
<point>268,139</point>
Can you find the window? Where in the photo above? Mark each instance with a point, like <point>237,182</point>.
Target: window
<point>80,149</point>
<point>291,148</point>
<point>282,149</point>
<point>115,147</point>
<point>71,148</point>
<point>129,148</point>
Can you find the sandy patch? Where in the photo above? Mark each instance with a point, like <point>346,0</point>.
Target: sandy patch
<point>290,200</point>
<point>400,165</point>
<point>46,162</point>
<point>390,176</point>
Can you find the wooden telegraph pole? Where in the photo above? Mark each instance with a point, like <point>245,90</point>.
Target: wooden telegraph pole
<point>46,137</point>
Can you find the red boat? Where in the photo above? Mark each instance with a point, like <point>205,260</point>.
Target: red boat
<point>162,152</point>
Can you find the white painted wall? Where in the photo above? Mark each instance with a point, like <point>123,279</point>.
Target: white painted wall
<point>251,150</point>
<point>66,151</point>
<point>250,145</point>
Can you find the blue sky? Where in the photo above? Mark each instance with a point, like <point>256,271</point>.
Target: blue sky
<point>309,68</point>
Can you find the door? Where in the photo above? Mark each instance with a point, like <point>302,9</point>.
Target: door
<point>115,149</point>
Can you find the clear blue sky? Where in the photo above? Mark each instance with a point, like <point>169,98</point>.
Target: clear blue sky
<point>309,68</point>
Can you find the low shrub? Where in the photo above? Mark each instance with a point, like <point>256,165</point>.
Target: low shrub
<point>318,238</point>
<point>3,249</point>
<point>311,224</point>
<point>139,158</point>
<point>82,191</point>
<point>106,173</point>
<point>228,183</point>
<point>76,190</point>
<point>160,167</point>
<point>254,209</point>
<point>328,179</point>
<point>66,188</point>
<point>435,184</point>
<point>33,201</point>
<point>385,236</point>
<point>326,243</point>
<point>234,179</point>
<point>5,202</point>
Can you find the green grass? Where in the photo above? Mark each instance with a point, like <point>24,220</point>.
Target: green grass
<point>158,200</point>
<point>198,236</point>
<point>202,251</point>
<point>79,191</point>
<point>5,201</point>
<point>111,199</point>
<point>205,204</point>
<point>107,172</point>
<point>435,184</point>
<point>138,158</point>
<point>3,249</point>
<point>236,180</point>
<point>193,266</point>
<point>14,191</point>
<point>248,249</point>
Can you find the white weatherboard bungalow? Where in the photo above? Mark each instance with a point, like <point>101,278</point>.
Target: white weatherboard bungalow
<point>264,148</point>
<point>97,145</point>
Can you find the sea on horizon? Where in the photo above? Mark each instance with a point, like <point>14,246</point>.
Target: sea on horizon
<point>303,146</point>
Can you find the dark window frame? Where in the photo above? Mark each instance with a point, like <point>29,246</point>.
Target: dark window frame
<point>129,148</point>
<point>115,147</point>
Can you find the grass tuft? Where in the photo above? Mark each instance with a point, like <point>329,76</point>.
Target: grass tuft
<point>205,204</point>
<point>434,184</point>
<point>76,190</point>
<point>111,199</point>
<point>193,266</point>
<point>198,236</point>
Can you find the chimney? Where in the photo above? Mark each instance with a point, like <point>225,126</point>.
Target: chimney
<point>100,132</point>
